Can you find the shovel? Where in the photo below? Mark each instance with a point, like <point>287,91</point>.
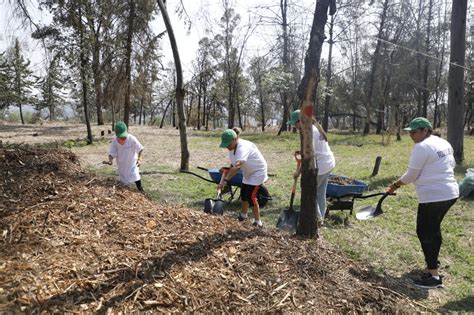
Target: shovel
<point>288,219</point>
<point>215,206</point>
<point>370,212</point>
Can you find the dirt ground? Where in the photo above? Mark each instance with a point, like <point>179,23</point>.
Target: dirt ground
<point>72,242</point>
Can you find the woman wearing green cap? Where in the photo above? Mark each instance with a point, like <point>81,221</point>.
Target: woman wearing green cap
<point>128,152</point>
<point>324,159</point>
<point>431,169</point>
<point>244,155</point>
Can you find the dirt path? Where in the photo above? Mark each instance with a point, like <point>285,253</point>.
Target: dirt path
<point>162,145</point>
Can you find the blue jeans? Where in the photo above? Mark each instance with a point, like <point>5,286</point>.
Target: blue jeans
<point>321,195</point>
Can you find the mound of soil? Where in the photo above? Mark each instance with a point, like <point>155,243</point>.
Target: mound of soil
<point>71,242</point>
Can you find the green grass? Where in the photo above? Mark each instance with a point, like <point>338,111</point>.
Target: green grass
<point>388,244</point>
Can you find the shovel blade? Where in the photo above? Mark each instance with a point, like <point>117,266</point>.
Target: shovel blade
<point>368,212</point>
<point>208,205</point>
<point>218,207</point>
<point>214,206</point>
<point>288,220</point>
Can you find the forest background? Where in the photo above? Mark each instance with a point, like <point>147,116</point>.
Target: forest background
<point>383,63</point>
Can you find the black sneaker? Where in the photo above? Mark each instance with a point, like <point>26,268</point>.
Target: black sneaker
<point>426,275</point>
<point>429,283</point>
<point>241,218</point>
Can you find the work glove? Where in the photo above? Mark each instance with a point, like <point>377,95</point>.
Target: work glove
<point>107,162</point>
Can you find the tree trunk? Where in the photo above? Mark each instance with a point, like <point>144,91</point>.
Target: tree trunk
<point>285,61</point>
<point>199,107</point>
<point>83,70</point>
<point>97,84</point>
<point>180,92</point>
<point>164,114</point>
<point>426,92</point>
<point>419,77</point>
<point>141,110</point>
<point>262,102</point>
<point>21,114</point>
<point>440,53</point>
<point>327,98</point>
<point>373,71</point>
<point>456,79</point>
<point>128,62</point>
<point>307,90</point>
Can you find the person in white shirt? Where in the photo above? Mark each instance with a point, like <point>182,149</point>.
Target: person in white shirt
<point>128,151</point>
<point>324,159</point>
<point>244,155</point>
<point>431,169</point>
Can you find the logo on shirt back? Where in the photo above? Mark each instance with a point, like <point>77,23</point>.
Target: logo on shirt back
<point>444,153</point>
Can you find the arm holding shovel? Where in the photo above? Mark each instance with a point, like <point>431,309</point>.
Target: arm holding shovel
<point>409,177</point>
<point>228,173</point>
<point>394,186</point>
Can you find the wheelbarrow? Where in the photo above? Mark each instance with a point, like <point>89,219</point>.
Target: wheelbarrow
<point>342,196</point>
<point>342,191</point>
<point>233,185</point>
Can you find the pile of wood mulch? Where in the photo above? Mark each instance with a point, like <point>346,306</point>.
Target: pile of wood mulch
<point>71,242</point>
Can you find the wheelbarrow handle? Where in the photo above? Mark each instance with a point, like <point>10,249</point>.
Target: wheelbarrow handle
<point>197,175</point>
<point>376,194</point>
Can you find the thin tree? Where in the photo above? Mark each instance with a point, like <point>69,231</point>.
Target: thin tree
<point>83,70</point>
<point>22,82</point>
<point>51,88</point>
<point>180,92</point>
<point>128,60</point>
<point>456,79</point>
<point>426,92</point>
<point>373,70</point>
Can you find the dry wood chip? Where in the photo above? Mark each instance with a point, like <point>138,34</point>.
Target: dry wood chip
<point>72,242</point>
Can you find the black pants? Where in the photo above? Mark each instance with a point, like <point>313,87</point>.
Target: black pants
<point>428,229</point>
<point>139,185</point>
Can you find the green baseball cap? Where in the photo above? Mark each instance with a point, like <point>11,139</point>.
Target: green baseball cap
<point>294,117</point>
<point>418,123</point>
<point>121,130</point>
<point>227,137</point>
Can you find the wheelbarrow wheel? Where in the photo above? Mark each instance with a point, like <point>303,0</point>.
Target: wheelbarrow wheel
<point>263,196</point>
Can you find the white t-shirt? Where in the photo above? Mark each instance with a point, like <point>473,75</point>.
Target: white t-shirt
<point>434,158</point>
<point>126,156</point>
<point>323,156</point>
<point>254,167</point>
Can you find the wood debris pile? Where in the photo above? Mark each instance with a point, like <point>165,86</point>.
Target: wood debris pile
<point>71,242</point>
<point>341,180</point>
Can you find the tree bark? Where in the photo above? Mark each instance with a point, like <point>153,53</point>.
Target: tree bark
<point>84,77</point>
<point>327,98</point>
<point>373,71</point>
<point>164,113</point>
<point>128,62</point>
<point>307,90</point>
<point>456,79</point>
<point>285,61</point>
<point>426,92</point>
<point>180,92</point>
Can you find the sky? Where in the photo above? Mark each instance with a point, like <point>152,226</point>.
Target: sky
<point>202,13</point>
<point>11,27</point>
